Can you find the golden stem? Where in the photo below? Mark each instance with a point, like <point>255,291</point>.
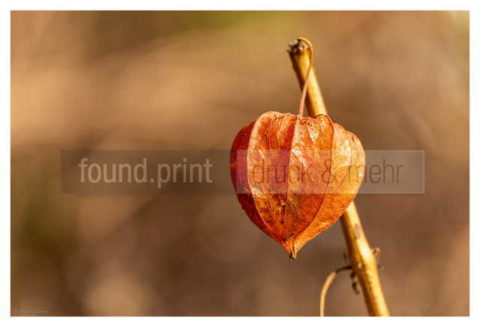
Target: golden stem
<point>362,258</point>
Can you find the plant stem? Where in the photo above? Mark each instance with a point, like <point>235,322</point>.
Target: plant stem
<point>361,255</point>
<point>326,285</point>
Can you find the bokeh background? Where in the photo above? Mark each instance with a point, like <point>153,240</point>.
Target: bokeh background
<point>191,80</point>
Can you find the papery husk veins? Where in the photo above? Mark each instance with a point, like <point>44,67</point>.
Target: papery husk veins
<point>295,209</point>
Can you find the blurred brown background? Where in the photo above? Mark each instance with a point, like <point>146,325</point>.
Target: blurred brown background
<point>191,80</point>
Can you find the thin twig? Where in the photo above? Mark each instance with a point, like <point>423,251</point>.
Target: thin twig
<point>326,285</point>
<point>361,255</point>
<point>305,83</point>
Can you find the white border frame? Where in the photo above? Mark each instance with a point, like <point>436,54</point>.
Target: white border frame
<point>244,5</point>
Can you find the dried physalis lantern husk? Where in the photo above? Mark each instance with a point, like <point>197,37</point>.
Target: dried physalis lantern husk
<point>295,176</point>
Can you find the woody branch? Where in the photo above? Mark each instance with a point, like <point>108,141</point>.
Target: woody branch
<point>361,255</point>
